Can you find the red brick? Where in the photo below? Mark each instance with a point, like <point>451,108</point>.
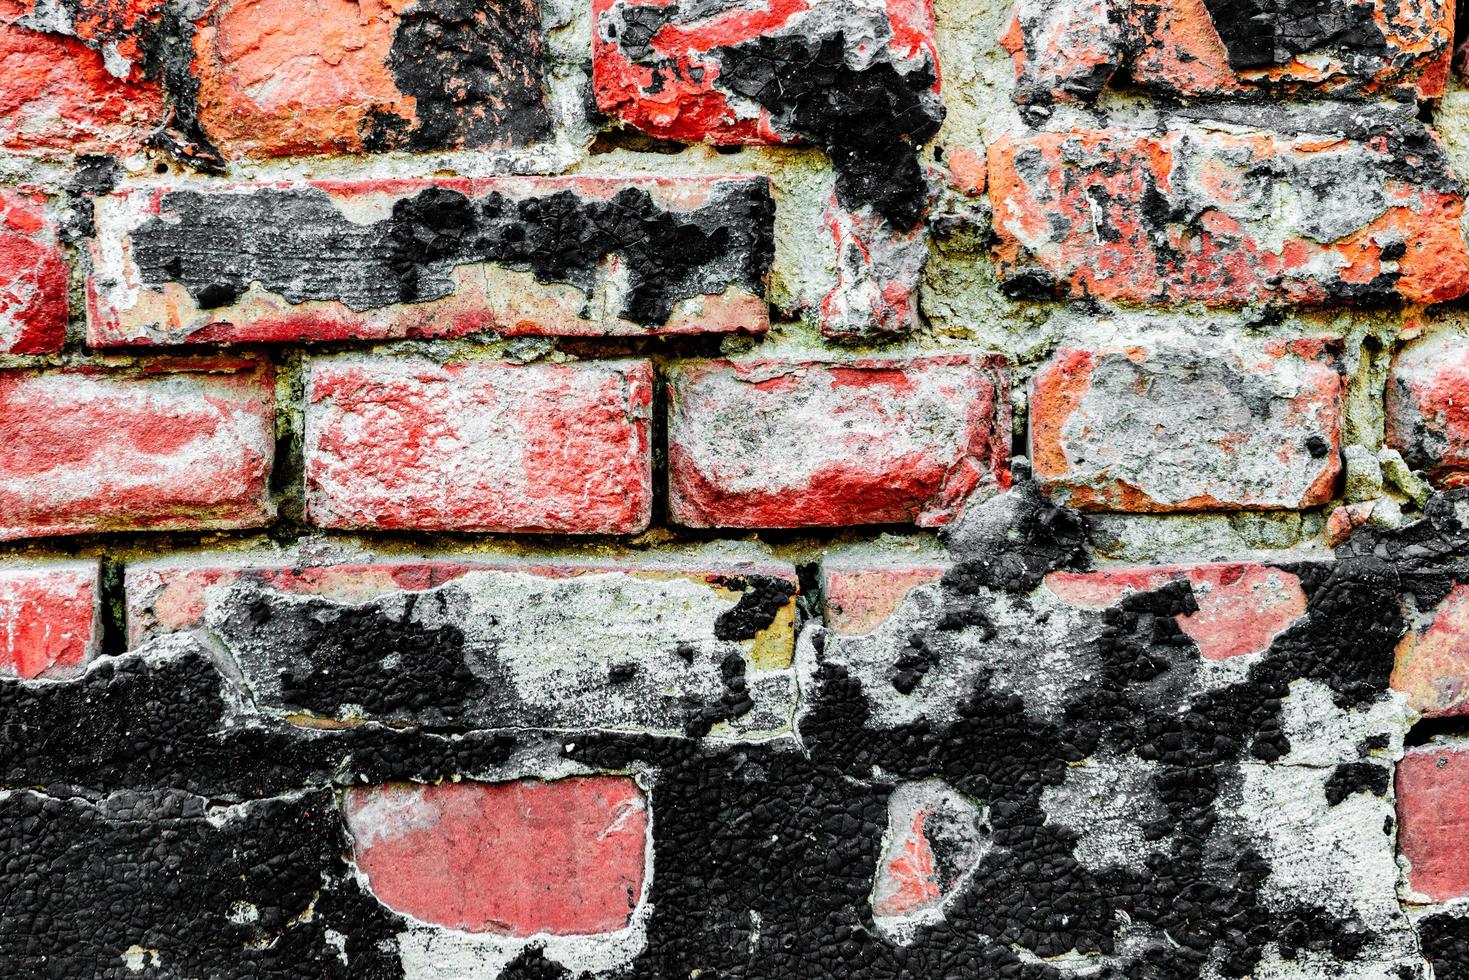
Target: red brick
<point>49,622</point>
<point>178,445</point>
<point>564,858</point>
<point>859,596</point>
<point>1063,49</point>
<point>172,594</point>
<point>1433,819</point>
<point>1066,50</point>
<point>934,843</point>
<point>1432,662</point>
<point>1225,219</point>
<point>410,444</point>
<point>878,270</point>
<point>669,85</point>
<point>58,93</point>
<point>1180,50</point>
<point>774,443</point>
<point>1428,407</point>
<point>1242,607</point>
<point>330,261</point>
<point>33,277</point>
<point>1182,428</point>
<point>278,77</point>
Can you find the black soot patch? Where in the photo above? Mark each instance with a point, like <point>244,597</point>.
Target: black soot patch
<point>761,600</point>
<point>298,244</point>
<point>474,70</point>
<point>871,121</point>
<point>252,894</point>
<point>1270,33</point>
<point>1446,945</point>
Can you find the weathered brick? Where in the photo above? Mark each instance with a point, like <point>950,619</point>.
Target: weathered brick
<point>49,622</point>
<point>775,443</point>
<point>1179,427</point>
<point>859,595</point>
<point>1226,219</point>
<point>934,844</point>
<point>475,446</point>
<point>71,77</point>
<point>1428,407</point>
<point>565,857</point>
<point>1433,819</point>
<point>1241,608</point>
<point>177,445</point>
<point>663,68</point>
<point>1432,662</point>
<point>860,80</point>
<point>581,256</point>
<point>678,645</point>
<point>1228,47</point>
<point>277,77</point>
<point>33,277</point>
<point>1066,50</point>
<point>878,270</point>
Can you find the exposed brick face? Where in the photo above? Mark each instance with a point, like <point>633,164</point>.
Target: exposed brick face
<point>1092,213</point>
<point>407,444</point>
<point>894,441</point>
<point>662,68</point>
<point>184,446</point>
<point>1432,661</point>
<point>1428,406</point>
<point>1433,818</point>
<point>59,96</point>
<point>1067,51</point>
<point>33,277</point>
<point>588,257</point>
<point>562,858</point>
<point>49,622</point>
<point>277,78</point>
<point>1256,430</point>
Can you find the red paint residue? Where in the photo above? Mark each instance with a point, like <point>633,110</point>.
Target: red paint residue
<point>564,857</point>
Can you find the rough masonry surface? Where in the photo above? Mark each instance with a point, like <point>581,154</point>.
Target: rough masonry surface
<point>734,490</point>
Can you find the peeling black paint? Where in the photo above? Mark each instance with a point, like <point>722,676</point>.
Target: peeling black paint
<point>766,852</point>
<point>359,657</point>
<point>475,73</point>
<point>761,600</point>
<point>297,243</point>
<point>1446,945</point>
<point>88,881</point>
<point>1269,33</point>
<point>1356,777</point>
<point>871,121</point>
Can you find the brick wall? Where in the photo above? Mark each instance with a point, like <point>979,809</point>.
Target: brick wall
<point>653,489</point>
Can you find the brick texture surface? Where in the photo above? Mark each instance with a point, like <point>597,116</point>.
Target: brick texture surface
<point>564,858</point>
<point>900,441</point>
<point>1199,216</point>
<point>406,258</point>
<point>33,278</point>
<point>762,489</point>
<point>479,447</point>
<point>185,446</point>
<point>49,622</point>
<point>1249,430</point>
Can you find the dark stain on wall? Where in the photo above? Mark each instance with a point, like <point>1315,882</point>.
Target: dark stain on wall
<point>474,72</point>
<point>297,243</point>
<point>872,121</point>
